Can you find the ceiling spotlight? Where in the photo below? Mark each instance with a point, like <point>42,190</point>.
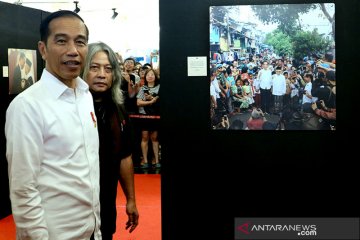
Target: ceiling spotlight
<point>115,13</point>
<point>77,9</point>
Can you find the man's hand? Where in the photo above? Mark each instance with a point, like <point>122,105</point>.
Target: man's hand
<point>314,106</point>
<point>133,216</point>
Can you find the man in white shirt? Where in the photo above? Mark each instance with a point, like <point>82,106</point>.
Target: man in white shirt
<point>307,97</point>
<point>52,141</point>
<point>264,77</point>
<point>278,90</point>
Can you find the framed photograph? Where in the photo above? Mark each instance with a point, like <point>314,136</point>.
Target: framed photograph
<point>272,67</point>
<point>22,69</point>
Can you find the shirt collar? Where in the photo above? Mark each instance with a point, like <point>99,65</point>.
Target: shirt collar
<point>57,88</point>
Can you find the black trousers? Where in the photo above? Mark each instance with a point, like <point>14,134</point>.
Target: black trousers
<point>265,99</point>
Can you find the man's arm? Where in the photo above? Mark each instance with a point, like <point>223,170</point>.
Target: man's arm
<point>329,113</point>
<point>23,151</point>
<point>127,185</point>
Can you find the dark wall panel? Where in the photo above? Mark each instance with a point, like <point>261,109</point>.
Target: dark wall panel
<point>211,177</point>
<point>19,28</point>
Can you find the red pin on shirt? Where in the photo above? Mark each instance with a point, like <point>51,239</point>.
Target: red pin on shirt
<point>93,118</point>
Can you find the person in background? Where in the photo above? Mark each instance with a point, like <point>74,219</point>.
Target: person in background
<point>148,101</point>
<point>141,71</point>
<point>129,85</point>
<point>52,141</point>
<point>102,74</point>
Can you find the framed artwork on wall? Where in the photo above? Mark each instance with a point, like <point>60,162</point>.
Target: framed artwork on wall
<point>22,69</point>
<point>272,67</point>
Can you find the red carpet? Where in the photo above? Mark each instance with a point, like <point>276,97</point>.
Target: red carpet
<point>148,199</point>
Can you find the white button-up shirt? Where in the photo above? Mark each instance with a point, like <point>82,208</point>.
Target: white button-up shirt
<point>52,152</point>
<point>265,78</point>
<point>278,85</point>
<point>307,89</point>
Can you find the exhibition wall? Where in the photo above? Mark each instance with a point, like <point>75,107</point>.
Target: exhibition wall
<point>19,27</point>
<point>210,177</point>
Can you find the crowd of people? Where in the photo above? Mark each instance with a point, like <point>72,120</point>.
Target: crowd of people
<point>298,92</point>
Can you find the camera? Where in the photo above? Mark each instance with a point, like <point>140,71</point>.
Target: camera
<point>146,91</point>
<point>302,91</point>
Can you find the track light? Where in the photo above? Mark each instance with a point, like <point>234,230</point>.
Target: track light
<point>77,9</point>
<point>115,13</point>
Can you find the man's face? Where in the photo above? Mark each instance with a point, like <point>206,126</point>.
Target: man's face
<point>150,77</point>
<point>22,62</point>
<point>65,49</point>
<point>265,65</point>
<point>100,75</point>
<point>129,65</point>
<point>27,69</point>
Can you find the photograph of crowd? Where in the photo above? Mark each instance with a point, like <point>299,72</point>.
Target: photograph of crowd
<point>272,67</point>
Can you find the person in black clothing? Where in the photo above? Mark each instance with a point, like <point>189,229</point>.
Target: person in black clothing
<point>102,74</point>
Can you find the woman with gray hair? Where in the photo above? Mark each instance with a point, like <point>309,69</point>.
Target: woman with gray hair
<point>102,74</point>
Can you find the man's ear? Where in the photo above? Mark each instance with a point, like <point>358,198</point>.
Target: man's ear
<point>42,49</point>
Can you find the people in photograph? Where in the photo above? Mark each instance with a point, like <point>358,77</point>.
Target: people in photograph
<point>129,85</point>
<point>141,72</point>
<point>247,92</point>
<point>278,90</point>
<point>102,74</point>
<point>19,74</point>
<point>307,97</point>
<point>52,141</point>
<point>238,98</point>
<point>28,80</point>
<point>265,79</point>
<point>256,120</point>
<point>148,101</point>
<point>326,106</point>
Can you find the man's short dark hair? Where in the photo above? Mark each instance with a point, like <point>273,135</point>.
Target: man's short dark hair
<point>44,26</point>
<point>329,57</point>
<point>22,55</point>
<point>309,75</point>
<point>130,59</point>
<point>330,75</point>
<point>147,65</point>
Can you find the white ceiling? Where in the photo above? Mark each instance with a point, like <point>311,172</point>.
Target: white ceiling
<point>134,31</point>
